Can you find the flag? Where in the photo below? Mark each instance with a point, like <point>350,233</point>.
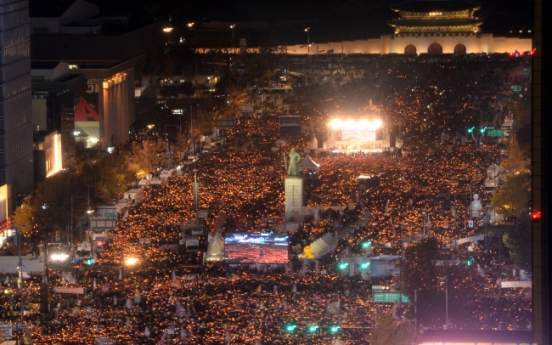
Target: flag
<point>94,284</point>
<point>227,335</point>
<point>173,275</point>
<point>128,303</point>
<point>333,308</point>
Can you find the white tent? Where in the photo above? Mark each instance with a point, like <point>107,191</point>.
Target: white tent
<point>308,163</point>
<point>323,245</point>
<point>215,249</point>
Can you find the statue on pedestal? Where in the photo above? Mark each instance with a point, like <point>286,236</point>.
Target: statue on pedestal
<point>294,158</point>
<point>476,207</point>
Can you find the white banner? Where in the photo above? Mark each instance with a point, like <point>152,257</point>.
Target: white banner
<point>517,284</point>
<point>354,146</point>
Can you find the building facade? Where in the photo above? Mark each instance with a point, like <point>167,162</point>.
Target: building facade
<point>16,128</point>
<point>104,51</point>
<point>432,27</point>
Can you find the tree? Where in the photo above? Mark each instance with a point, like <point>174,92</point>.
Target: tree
<point>390,331</point>
<point>146,155</point>
<point>113,170</point>
<point>513,198</point>
<point>518,242</point>
<point>517,159</point>
<point>52,202</point>
<point>182,142</point>
<point>23,217</point>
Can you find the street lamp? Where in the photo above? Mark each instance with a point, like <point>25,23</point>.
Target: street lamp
<point>131,261</point>
<point>307,30</point>
<point>59,257</point>
<point>192,129</point>
<point>424,212</point>
<point>445,279</point>
<point>232,27</point>
<point>88,211</point>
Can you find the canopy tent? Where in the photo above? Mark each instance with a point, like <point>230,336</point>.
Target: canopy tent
<point>215,249</point>
<point>308,163</point>
<point>323,245</point>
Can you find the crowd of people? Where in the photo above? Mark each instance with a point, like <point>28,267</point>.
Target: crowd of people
<point>171,296</point>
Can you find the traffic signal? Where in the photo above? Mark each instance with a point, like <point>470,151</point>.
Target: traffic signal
<point>312,328</point>
<point>290,327</point>
<point>365,265</point>
<point>470,261</point>
<point>482,130</point>
<point>334,329</point>
<point>366,244</point>
<point>343,265</point>
<point>90,261</point>
<point>470,130</point>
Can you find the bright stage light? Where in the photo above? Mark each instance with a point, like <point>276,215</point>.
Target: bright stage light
<point>358,125</point>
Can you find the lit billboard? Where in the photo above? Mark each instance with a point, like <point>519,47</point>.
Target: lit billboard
<point>251,248</point>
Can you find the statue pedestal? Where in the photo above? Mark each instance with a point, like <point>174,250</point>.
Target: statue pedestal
<point>294,199</point>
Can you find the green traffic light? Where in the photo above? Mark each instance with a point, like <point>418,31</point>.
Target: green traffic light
<point>471,129</point>
<point>290,328</point>
<point>312,328</point>
<point>366,244</point>
<point>470,261</point>
<point>334,329</point>
<point>364,265</point>
<point>343,265</point>
<point>483,130</point>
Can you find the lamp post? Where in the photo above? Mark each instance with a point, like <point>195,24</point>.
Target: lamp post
<point>424,213</point>
<point>307,30</point>
<point>192,129</point>
<point>445,279</point>
<point>20,269</point>
<point>232,26</point>
<point>70,235</point>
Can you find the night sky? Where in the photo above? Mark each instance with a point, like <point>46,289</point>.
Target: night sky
<point>324,16</point>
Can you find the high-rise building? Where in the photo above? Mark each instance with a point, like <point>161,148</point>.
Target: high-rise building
<point>16,127</point>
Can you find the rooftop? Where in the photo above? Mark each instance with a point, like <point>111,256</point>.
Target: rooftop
<point>434,5</point>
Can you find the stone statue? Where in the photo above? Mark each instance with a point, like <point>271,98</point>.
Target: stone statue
<point>476,207</point>
<point>294,158</point>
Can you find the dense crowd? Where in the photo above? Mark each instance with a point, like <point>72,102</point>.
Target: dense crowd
<point>172,297</point>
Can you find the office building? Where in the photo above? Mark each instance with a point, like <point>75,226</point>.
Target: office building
<point>16,128</point>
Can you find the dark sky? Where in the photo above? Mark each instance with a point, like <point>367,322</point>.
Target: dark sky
<point>324,15</point>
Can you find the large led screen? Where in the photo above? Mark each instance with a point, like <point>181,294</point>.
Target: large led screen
<point>264,248</point>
